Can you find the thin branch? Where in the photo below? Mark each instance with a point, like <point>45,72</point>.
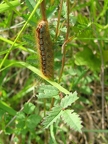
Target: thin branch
<point>67,34</point>
<point>66,40</point>
<point>59,14</point>
<point>102,80</point>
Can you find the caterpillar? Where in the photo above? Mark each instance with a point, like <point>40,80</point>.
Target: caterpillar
<point>45,49</point>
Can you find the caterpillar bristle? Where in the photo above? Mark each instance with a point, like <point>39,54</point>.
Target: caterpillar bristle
<point>45,49</point>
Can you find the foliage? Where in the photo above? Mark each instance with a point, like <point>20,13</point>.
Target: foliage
<point>34,109</point>
<point>72,119</point>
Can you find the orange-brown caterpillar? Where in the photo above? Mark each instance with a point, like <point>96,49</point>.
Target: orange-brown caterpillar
<point>45,49</point>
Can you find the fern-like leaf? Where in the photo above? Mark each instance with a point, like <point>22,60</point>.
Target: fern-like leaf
<point>68,100</point>
<point>52,116</point>
<point>48,91</point>
<point>72,119</point>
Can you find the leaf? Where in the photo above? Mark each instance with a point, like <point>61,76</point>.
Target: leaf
<point>86,57</point>
<point>20,121</point>
<point>36,71</point>
<point>68,100</point>
<point>52,116</point>
<point>29,108</point>
<point>7,108</point>
<point>2,112</point>
<point>31,4</point>
<point>72,119</point>
<point>20,116</point>
<point>105,55</point>
<point>5,6</point>
<point>52,133</point>
<point>32,121</point>
<point>48,91</point>
<point>15,46</point>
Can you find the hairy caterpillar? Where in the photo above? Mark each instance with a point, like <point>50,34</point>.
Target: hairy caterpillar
<point>46,53</point>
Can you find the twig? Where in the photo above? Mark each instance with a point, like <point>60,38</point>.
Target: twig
<point>59,18</point>
<point>66,40</point>
<point>102,82</point>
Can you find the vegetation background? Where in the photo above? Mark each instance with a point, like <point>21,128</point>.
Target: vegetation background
<point>26,96</point>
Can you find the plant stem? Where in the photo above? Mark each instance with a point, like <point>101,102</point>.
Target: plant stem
<point>65,42</point>
<point>59,14</point>
<point>43,10</point>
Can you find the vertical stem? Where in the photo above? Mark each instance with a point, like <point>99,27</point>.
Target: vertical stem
<point>67,34</point>
<point>101,80</point>
<point>103,99</point>
<point>93,15</point>
<point>43,10</point>
<point>59,18</point>
<point>66,40</point>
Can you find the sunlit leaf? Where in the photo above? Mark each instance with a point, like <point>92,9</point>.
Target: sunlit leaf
<point>48,91</point>
<point>68,100</point>
<point>72,119</point>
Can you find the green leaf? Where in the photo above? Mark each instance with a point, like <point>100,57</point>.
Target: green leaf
<point>16,45</point>
<point>20,116</point>
<point>86,57</point>
<point>2,112</point>
<point>31,4</point>
<point>36,71</point>
<point>82,19</point>
<point>72,119</point>
<point>52,133</point>
<point>105,55</point>
<point>48,91</point>
<point>6,6</point>
<point>8,131</point>
<point>68,100</point>
<point>52,116</point>
<point>7,108</point>
<point>32,121</point>
<point>29,108</point>
<point>20,124</point>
